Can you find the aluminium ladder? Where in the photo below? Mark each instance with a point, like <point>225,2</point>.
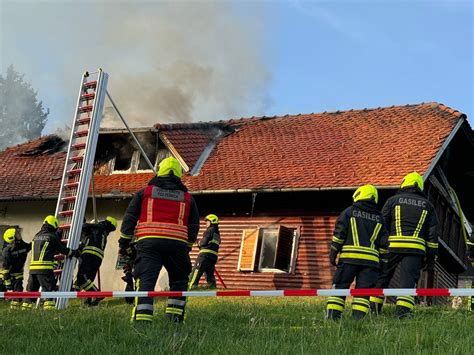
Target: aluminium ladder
<point>78,169</point>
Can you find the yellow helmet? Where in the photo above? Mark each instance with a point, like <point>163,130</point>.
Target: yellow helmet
<point>366,192</point>
<point>52,221</point>
<point>212,218</point>
<point>9,235</point>
<point>170,164</point>
<point>112,221</point>
<point>413,179</point>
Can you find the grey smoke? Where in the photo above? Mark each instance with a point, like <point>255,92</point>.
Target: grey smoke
<point>168,61</point>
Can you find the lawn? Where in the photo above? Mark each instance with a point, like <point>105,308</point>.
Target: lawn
<point>234,326</point>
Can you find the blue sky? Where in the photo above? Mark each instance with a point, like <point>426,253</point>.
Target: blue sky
<point>343,55</point>
<point>297,57</point>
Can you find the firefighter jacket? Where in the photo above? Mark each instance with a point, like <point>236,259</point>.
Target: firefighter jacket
<point>210,241</point>
<point>46,243</point>
<point>164,209</point>
<point>14,256</point>
<point>94,240</point>
<point>412,223</point>
<point>360,235</point>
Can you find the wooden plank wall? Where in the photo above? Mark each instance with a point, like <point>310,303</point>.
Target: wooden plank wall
<point>312,266</point>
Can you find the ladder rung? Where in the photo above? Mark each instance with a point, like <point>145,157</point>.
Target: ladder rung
<point>58,271</point>
<point>90,84</point>
<point>59,257</point>
<point>79,146</point>
<point>81,133</point>
<point>71,185</point>
<point>74,171</point>
<point>66,213</point>
<point>83,109</point>
<point>69,198</point>
<point>87,97</point>
<point>77,158</point>
<point>85,120</point>
<point>64,226</point>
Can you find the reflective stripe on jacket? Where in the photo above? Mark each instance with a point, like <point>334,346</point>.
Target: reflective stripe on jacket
<point>360,235</point>
<point>164,214</point>
<point>412,223</point>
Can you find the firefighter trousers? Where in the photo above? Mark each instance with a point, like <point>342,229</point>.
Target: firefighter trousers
<point>410,266</point>
<point>88,269</point>
<point>47,282</point>
<point>16,286</point>
<point>152,255</point>
<point>365,277</point>
<point>205,263</point>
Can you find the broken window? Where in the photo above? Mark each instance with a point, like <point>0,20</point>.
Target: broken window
<point>118,152</point>
<point>271,249</point>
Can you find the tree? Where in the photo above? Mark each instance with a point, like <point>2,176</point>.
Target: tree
<point>22,117</point>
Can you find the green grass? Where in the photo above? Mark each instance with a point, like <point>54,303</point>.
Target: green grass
<point>234,326</point>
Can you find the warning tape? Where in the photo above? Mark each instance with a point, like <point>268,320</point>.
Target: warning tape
<point>432,292</point>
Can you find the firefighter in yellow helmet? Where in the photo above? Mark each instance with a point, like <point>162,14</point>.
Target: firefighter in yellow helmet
<point>164,219</point>
<point>14,257</point>
<point>208,253</point>
<point>413,241</point>
<point>92,249</point>
<point>360,239</point>
<point>46,244</point>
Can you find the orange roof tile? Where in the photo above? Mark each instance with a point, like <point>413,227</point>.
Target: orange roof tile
<point>329,150</point>
<point>324,150</point>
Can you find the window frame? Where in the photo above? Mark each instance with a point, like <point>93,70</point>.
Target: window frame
<point>257,256</point>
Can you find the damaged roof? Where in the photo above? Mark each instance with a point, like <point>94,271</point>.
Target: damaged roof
<point>33,169</point>
<point>335,150</point>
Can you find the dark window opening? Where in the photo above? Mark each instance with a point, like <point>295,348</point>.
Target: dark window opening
<point>271,249</point>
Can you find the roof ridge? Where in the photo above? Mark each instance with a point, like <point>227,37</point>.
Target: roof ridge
<point>254,119</point>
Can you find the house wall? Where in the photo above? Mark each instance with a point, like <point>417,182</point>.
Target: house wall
<point>29,215</point>
<point>312,265</point>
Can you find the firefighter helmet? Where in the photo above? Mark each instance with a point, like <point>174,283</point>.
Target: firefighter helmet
<point>170,164</point>
<point>413,179</point>
<point>52,221</point>
<point>112,221</point>
<point>9,235</point>
<point>366,192</point>
<point>212,218</point>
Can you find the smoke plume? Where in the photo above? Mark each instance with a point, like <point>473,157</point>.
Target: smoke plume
<point>168,61</point>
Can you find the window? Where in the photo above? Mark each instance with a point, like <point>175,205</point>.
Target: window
<point>271,249</point>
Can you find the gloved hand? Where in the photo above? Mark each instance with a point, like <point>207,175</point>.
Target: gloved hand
<point>126,252</point>
<point>430,264</point>
<point>76,253</point>
<point>333,256</point>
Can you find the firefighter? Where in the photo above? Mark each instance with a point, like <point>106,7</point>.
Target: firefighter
<point>165,220</point>
<point>208,253</point>
<point>46,243</point>
<point>3,244</point>
<point>361,239</point>
<point>92,252</point>
<point>14,258</point>
<point>413,241</point>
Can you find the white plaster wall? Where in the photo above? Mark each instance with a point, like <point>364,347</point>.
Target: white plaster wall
<point>29,215</point>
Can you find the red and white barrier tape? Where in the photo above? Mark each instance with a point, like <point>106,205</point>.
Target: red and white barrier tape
<point>434,292</point>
